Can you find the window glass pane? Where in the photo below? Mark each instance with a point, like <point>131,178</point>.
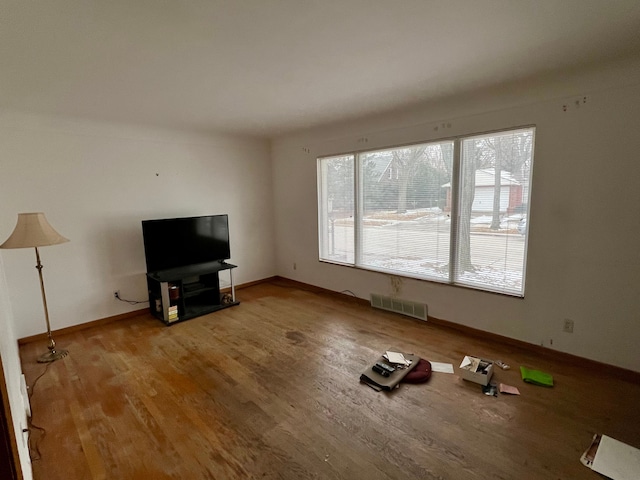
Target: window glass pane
<point>405,226</point>
<point>336,199</point>
<point>495,177</point>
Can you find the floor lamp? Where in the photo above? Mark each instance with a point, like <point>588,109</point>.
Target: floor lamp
<point>33,230</point>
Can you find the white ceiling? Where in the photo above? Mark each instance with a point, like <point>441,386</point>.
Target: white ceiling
<point>267,67</point>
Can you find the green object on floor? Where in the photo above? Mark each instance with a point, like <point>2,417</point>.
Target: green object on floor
<point>536,377</point>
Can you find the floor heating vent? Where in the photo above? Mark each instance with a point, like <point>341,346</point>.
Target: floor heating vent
<point>405,307</point>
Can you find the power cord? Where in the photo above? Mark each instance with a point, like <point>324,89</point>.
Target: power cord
<point>33,426</point>
<point>130,302</point>
<point>276,283</point>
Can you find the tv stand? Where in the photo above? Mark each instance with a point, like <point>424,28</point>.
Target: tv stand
<point>186,292</point>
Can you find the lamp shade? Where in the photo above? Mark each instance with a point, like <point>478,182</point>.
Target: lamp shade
<point>33,230</point>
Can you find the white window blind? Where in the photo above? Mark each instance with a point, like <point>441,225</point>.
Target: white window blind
<point>401,210</point>
<point>336,208</point>
<point>402,228</point>
<point>495,178</point>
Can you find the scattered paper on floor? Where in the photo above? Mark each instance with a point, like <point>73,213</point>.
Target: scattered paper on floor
<point>612,458</point>
<point>441,367</point>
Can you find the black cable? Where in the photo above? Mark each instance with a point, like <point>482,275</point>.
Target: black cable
<point>130,302</point>
<point>32,425</point>
<point>284,284</point>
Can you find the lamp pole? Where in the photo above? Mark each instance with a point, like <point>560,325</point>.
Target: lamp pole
<point>52,354</point>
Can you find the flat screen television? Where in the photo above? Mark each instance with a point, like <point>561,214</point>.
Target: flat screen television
<point>178,242</point>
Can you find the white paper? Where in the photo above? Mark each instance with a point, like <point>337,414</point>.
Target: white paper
<point>441,367</point>
<point>395,357</point>
<point>470,363</point>
<point>466,361</point>
<point>616,460</point>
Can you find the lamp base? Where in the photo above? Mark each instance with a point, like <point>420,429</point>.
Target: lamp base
<point>52,356</point>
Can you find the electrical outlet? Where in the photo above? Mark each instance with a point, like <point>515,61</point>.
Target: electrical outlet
<point>116,294</point>
<point>295,266</point>
<point>568,325</point>
<point>25,436</point>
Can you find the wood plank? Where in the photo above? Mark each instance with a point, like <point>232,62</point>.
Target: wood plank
<point>269,389</point>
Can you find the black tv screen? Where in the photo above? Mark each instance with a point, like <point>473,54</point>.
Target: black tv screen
<point>177,242</point>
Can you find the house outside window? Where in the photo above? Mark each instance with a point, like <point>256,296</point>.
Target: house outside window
<point>453,211</point>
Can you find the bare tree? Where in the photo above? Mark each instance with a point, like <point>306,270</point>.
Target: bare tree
<point>510,153</point>
<point>406,162</point>
<point>498,147</point>
<point>472,156</point>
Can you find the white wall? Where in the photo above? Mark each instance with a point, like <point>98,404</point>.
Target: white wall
<point>12,372</point>
<point>583,258</point>
<point>96,182</point>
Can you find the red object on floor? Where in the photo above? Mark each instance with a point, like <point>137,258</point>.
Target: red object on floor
<point>420,373</point>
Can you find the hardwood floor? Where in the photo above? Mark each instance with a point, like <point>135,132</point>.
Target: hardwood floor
<point>269,390</point>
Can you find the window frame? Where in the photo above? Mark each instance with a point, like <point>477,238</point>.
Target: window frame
<point>456,194</point>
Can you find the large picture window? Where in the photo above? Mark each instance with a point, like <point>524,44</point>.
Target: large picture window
<point>453,211</point>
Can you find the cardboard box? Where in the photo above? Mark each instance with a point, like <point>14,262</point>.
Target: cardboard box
<point>477,370</point>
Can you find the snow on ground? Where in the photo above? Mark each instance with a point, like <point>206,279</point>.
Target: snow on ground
<point>499,279</point>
